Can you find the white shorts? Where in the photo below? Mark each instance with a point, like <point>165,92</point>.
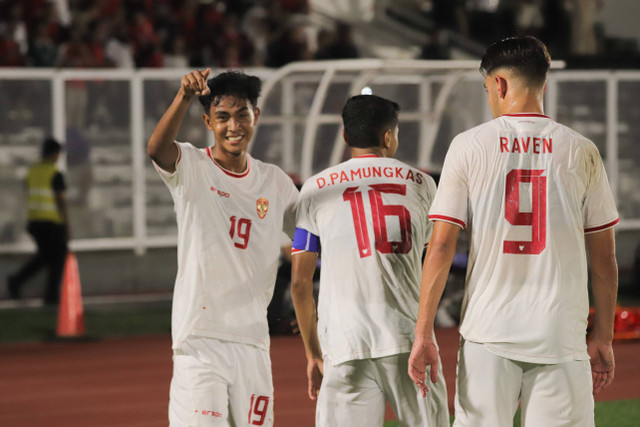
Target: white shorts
<point>220,383</point>
<point>489,387</point>
<point>354,393</point>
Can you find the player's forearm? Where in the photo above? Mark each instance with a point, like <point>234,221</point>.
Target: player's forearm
<point>604,281</point>
<point>434,278</point>
<point>605,288</point>
<point>304,305</point>
<point>161,147</point>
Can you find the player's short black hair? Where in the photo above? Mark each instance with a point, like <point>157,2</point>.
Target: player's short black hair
<point>526,55</point>
<point>233,83</point>
<point>50,146</point>
<point>366,118</point>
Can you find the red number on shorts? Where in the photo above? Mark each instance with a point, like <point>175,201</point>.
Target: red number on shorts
<point>379,211</point>
<point>258,407</point>
<point>242,228</point>
<point>537,218</point>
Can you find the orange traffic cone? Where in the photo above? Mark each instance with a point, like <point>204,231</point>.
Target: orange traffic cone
<point>70,312</point>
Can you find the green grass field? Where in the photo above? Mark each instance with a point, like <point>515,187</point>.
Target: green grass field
<point>619,413</point>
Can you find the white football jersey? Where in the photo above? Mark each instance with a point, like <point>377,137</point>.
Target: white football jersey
<point>371,215</point>
<point>229,235</point>
<point>529,189</point>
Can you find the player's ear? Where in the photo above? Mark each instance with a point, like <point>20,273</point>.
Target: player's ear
<point>207,121</point>
<point>501,85</point>
<point>344,136</point>
<point>256,114</point>
<point>386,140</point>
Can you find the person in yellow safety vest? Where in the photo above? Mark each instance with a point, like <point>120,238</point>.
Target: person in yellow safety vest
<point>47,223</point>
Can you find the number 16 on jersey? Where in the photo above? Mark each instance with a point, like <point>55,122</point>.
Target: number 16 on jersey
<point>379,212</point>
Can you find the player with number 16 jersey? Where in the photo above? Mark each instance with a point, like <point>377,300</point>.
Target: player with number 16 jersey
<point>369,215</point>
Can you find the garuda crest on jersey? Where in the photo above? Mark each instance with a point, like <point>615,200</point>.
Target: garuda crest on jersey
<point>262,206</point>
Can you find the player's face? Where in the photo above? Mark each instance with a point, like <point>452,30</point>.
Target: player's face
<point>492,95</point>
<point>232,122</point>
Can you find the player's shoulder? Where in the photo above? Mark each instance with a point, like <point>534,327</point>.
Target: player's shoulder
<point>270,171</point>
<point>419,176</point>
<point>183,145</point>
<point>483,132</point>
<point>265,166</point>
<point>576,137</point>
<point>188,150</point>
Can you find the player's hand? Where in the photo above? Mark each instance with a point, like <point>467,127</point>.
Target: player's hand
<point>603,365</point>
<point>315,369</point>
<point>424,353</point>
<point>195,83</point>
<point>295,329</point>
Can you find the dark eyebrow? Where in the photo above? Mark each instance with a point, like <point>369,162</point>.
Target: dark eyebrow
<point>240,110</point>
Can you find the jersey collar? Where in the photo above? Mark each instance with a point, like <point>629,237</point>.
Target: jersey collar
<point>525,115</point>
<point>228,172</point>
<point>366,156</point>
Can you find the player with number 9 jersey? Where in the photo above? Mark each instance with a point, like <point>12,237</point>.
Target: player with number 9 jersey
<point>534,195</point>
<point>535,189</point>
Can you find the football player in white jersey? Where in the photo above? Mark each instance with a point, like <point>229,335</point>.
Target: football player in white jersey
<point>231,210</point>
<point>369,215</point>
<point>534,195</point>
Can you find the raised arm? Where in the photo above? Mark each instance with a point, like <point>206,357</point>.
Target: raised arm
<point>435,272</point>
<point>161,146</point>
<point>604,281</point>
<point>303,265</point>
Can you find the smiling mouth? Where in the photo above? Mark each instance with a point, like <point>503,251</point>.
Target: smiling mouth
<point>234,139</point>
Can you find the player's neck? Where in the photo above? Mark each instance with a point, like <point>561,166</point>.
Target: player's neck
<point>369,151</point>
<point>525,103</point>
<point>231,162</point>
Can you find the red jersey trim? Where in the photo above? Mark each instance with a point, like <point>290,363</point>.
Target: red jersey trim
<point>601,227</point>
<point>366,156</point>
<point>232,174</point>
<point>445,218</point>
<point>526,115</point>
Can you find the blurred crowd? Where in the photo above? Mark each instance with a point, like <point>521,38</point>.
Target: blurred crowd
<point>568,27</point>
<point>271,33</point>
<point>164,33</point>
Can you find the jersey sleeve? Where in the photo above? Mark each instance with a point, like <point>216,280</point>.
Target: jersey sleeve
<point>451,200</point>
<point>180,177</point>
<point>429,193</point>
<point>305,218</point>
<point>290,197</point>
<point>599,208</point>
